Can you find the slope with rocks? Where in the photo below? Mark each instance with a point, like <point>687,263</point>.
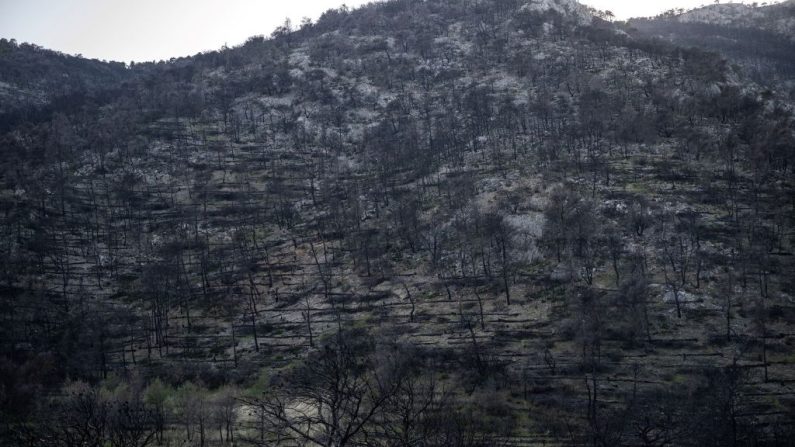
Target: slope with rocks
<point>583,236</point>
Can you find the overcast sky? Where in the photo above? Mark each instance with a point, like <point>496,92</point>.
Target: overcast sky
<point>143,30</point>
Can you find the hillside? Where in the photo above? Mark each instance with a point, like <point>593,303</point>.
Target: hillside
<point>776,17</point>
<point>35,82</point>
<point>436,223</point>
<point>760,39</point>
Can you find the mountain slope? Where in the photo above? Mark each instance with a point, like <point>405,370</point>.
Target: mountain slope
<point>505,222</point>
<point>35,81</point>
<point>777,18</point>
<point>761,39</point>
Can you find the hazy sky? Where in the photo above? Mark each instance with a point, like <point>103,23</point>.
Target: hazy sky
<point>143,30</point>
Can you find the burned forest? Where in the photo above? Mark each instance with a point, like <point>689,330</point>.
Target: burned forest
<point>411,223</point>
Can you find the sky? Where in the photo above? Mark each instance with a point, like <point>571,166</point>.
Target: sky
<point>146,30</point>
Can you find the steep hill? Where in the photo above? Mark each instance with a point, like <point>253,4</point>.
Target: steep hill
<point>480,222</point>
